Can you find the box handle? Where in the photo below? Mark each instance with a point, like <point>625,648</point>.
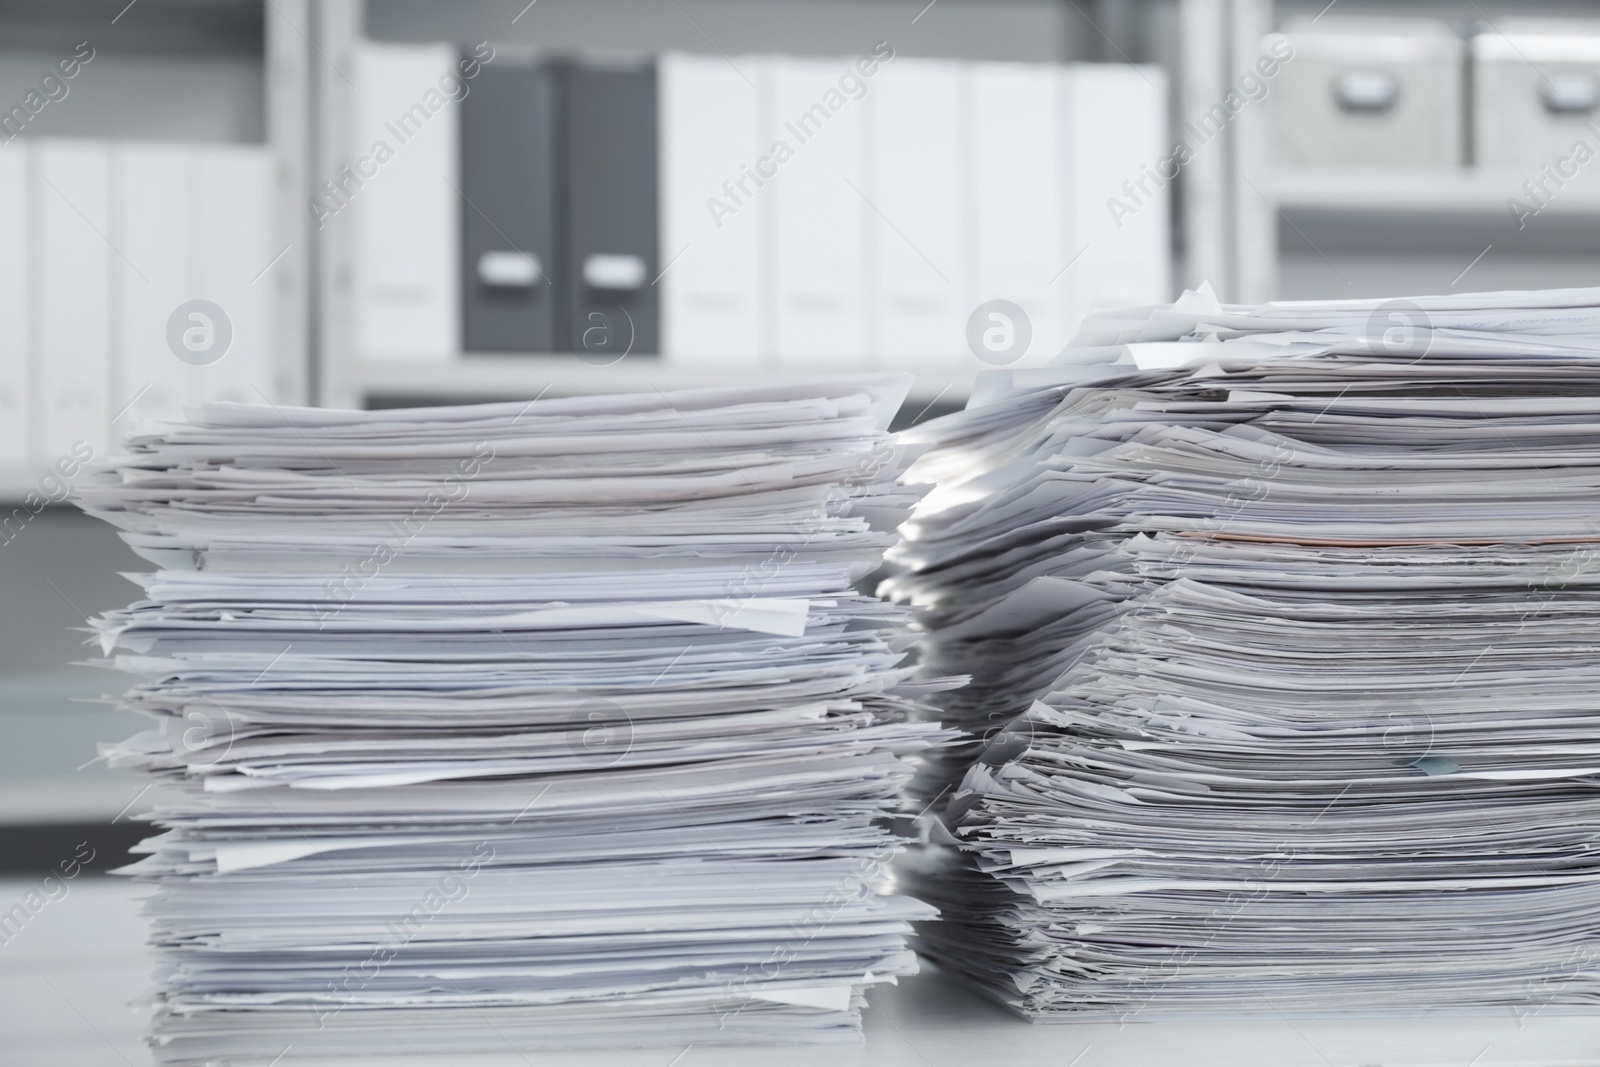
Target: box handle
<point>1571,94</point>
<point>1369,91</point>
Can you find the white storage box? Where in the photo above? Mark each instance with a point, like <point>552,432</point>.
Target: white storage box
<point>1536,92</point>
<point>1370,92</point>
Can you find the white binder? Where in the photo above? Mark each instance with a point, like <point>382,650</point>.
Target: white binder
<point>72,206</point>
<point>918,134</point>
<point>1017,201</point>
<point>194,222</point>
<point>711,255</point>
<point>405,211</point>
<point>16,450</point>
<point>821,204</point>
<point>233,229</point>
<point>152,191</point>
<point>1116,118</point>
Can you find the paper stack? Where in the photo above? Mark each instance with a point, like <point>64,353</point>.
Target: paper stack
<point>1285,628</point>
<point>519,726</point>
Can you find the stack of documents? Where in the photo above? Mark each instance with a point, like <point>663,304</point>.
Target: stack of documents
<point>519,725</point>
<point>1285,629</point>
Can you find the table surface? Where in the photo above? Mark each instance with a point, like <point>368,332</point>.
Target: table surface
<point>70,979</point>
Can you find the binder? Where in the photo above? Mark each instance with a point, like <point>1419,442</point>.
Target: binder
<point>918,139</point>
<point>509,270</point>
<point>611,247</point>
<point>72,202</point>
<point>152,190</point>
<point>1016,203</point>
<point>15,276</point>
<point>400,189</point>
<point>712,268</point>
<point>1116,127</point>
<point>194,222</point>
<point>232,226</point>
<point>821,202</point>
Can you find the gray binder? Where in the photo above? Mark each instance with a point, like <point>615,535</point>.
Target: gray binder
<point>510,287</point>
<point>611,258</point>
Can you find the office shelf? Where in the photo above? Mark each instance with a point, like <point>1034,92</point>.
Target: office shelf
<point>513,376</point>
<point>1439,192</point>
<point>1390,230</point>
<point>1029,31</point>
<point>16,483</point>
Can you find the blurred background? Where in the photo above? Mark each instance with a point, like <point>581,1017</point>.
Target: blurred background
<point>398,202</point>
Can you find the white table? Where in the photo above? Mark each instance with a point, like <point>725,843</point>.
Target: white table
<point>67,980</point>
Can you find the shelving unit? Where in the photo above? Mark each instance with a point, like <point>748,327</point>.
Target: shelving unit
<point>1338,232</point>
<point>1465,192</point>
<point>1027,30</point>
<point>298,53</point>
<point>1238,223</point>
<point>502,375</point>
<point>231,71</point>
